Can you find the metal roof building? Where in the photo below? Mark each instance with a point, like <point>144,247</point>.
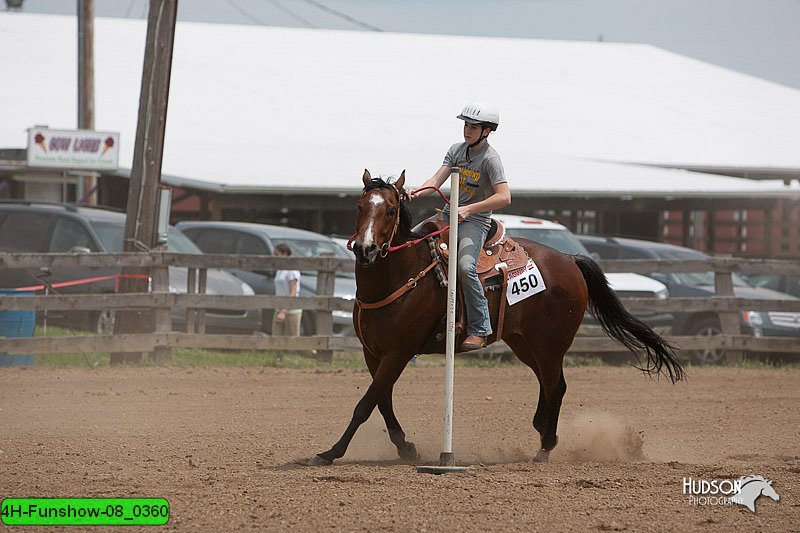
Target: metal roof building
<point>289,118</point>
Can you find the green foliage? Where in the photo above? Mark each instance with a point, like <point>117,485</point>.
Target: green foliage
<point>188,357</point>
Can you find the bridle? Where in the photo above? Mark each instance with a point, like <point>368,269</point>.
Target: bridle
<point>387,247</point>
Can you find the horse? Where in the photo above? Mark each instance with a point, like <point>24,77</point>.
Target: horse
<point>752,487</point>
<point>399,308</point>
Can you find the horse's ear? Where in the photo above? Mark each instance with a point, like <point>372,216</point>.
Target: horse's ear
<point>367,178</point>
<point>400,181</point>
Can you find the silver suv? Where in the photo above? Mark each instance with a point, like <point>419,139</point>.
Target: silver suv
<point>261,239</point>
<point>43,227</point>
<point>557,236</point>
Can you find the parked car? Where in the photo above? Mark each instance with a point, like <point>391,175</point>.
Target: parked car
<point>625,285</point>
<point>682,284</point>
<point>261,239</point>
<point>342,242</point>
<point>42,227</point>
<point>774,323</point>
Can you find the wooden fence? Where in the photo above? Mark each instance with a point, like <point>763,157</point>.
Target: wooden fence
<point>160,301</point>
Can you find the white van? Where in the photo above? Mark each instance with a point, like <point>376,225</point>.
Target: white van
<point>556,236</point>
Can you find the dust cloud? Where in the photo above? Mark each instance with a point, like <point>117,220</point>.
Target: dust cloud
<point>600,437</point>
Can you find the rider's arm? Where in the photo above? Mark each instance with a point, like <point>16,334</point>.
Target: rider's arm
<point>436,180</point>
<point>501,198</point>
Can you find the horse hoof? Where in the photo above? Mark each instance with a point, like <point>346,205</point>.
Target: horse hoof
<point>410,453</point>
<point>318,460</point>
<point>542,457</point>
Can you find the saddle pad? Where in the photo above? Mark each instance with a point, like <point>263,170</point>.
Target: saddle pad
<point>524,283</point>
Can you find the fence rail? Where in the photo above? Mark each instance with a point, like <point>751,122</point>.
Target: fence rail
<point>724,304</point>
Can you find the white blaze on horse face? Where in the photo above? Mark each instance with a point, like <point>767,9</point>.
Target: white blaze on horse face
<point>368,236</point>
<point>375,199</point>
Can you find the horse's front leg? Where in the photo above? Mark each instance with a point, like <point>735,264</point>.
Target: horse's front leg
<point>384,376</point>
<point>405,449</point>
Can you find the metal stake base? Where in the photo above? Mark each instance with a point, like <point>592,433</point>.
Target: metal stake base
<point>443,469</point>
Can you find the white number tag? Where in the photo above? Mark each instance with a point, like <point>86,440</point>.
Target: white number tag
<point>524,283</point>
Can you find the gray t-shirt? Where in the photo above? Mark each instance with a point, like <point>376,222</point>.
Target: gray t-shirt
<point>478,175</point>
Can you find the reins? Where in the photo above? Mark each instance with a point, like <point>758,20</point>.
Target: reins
<point>386,248</point>
<point>407,286</point>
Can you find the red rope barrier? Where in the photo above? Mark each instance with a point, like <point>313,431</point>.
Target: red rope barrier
<point>72,283</point>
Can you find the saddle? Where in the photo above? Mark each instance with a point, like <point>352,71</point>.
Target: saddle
<point>499,256</point>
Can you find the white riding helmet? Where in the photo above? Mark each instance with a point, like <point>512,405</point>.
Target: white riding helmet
<point>481,113</point>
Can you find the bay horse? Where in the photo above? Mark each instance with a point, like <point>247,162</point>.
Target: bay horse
<point>399,308</point>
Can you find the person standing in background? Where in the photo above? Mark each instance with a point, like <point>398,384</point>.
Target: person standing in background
<point>287,283</point>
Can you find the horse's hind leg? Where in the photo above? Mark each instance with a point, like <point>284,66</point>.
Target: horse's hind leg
<point>554,391</point>
<point>384,375</point>
<point>552,388</point>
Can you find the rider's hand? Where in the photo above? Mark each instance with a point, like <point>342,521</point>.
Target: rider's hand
<point>463,212</point>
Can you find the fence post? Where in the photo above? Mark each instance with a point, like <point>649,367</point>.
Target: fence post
<point>201,313</point>
<point>162,315</point>
<point>325,284</point>
<point>191,288</point>
<point>728,320</point>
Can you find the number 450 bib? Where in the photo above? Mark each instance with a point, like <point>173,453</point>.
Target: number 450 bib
<point>524,283</point>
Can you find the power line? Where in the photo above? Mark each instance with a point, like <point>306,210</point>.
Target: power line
<point>252,18</point>
<point>130,6</point>
<point>341,15</point>
<point>292,13</point>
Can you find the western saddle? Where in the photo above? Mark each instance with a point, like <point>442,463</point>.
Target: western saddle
<point>499,256</point>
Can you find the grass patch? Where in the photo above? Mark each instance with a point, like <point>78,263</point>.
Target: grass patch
<point>189,357</point>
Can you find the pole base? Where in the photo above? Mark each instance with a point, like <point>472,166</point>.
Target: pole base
<point>444,469</point>
<point>447,465</point>
<point>447,459</point>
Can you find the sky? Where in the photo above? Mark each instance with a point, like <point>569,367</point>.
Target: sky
<point>756,37</point>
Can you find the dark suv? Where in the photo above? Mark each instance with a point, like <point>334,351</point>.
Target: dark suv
<point>682,285</point>
<point>41,227</point>
<point>261,239</point>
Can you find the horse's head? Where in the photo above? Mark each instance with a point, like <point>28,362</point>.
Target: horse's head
<point>770,492</point>
<point>380,214</point>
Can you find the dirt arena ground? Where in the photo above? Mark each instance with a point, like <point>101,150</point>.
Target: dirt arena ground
<point>226,447</point>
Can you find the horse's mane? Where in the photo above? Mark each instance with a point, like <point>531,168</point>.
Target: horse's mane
<point>406,223</point>
<point>748,479</point>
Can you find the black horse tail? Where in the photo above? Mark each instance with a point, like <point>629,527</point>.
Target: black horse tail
<point>625,328</point>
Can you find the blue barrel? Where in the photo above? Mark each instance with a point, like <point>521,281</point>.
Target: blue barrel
<point>16,324</point>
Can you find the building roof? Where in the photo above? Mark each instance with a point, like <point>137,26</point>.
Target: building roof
<point>257,109</point>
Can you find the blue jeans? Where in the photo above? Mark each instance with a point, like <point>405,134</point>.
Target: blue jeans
<point>471,236</point>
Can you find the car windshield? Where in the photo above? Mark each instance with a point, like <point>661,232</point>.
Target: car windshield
<point>695,278</point>
<point>311,248</point>
<point>111,235</point>
<point>315,248</point>
<point>560,239</point>
<point>180,243</point>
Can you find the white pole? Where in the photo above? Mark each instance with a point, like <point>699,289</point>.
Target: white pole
<point>447,458</point>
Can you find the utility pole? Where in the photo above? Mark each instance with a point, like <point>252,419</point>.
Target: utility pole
<point>86,190</point>
<point>145,179</point>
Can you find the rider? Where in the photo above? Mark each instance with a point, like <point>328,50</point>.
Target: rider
<point>483,188</point>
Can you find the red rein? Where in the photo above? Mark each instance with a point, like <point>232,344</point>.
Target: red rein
<point>410,243</point>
